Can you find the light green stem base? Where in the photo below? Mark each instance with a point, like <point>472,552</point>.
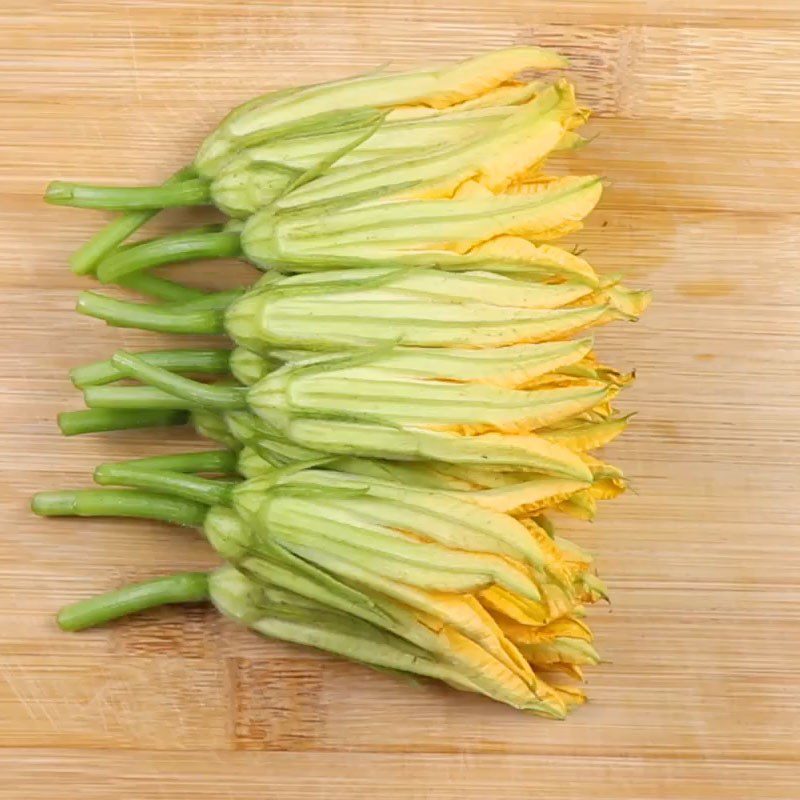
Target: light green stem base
<point>85,259</point>
<point>192,245</point>
<point>207,362</point>
<point>119,503</point>
<point>191,192</point>
<point>177,484</point>
<point>197,394</point>
<point>99,420</point>
<point>180,318</point>
<point>183,587</point>
<point>216,462</point>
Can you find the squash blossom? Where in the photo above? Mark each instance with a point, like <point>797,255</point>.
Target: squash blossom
<point>438,569</point>
<point>284,139</point>
<point>408,395</point>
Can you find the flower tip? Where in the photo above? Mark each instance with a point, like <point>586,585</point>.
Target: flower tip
<point>553,708</point>
<point>546,58</point>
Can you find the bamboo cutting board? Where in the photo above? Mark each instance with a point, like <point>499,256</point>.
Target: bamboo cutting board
<point>697,122</point>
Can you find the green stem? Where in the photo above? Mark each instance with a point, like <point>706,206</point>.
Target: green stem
<point>212,461</point>
<point>192,192</point>
<point>194,392</point>
<point>211,362</point>
<point>84,260</point>
<point>213,301</point>
<point>187,246</point>
<point>161,288</point>
<point>177,484</point>
<point>183,587</point>
<point>119,503</point>
<point>145,316</point>
<point>133,397</point>
<point>96,420</point>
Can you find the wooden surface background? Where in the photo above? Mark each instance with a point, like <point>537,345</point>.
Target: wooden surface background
<point>697,122</point>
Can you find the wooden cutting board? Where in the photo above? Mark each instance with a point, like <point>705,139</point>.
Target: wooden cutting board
<point>697,110</point>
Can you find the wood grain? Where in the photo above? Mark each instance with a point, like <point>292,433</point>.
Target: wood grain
<point>697,118</point>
